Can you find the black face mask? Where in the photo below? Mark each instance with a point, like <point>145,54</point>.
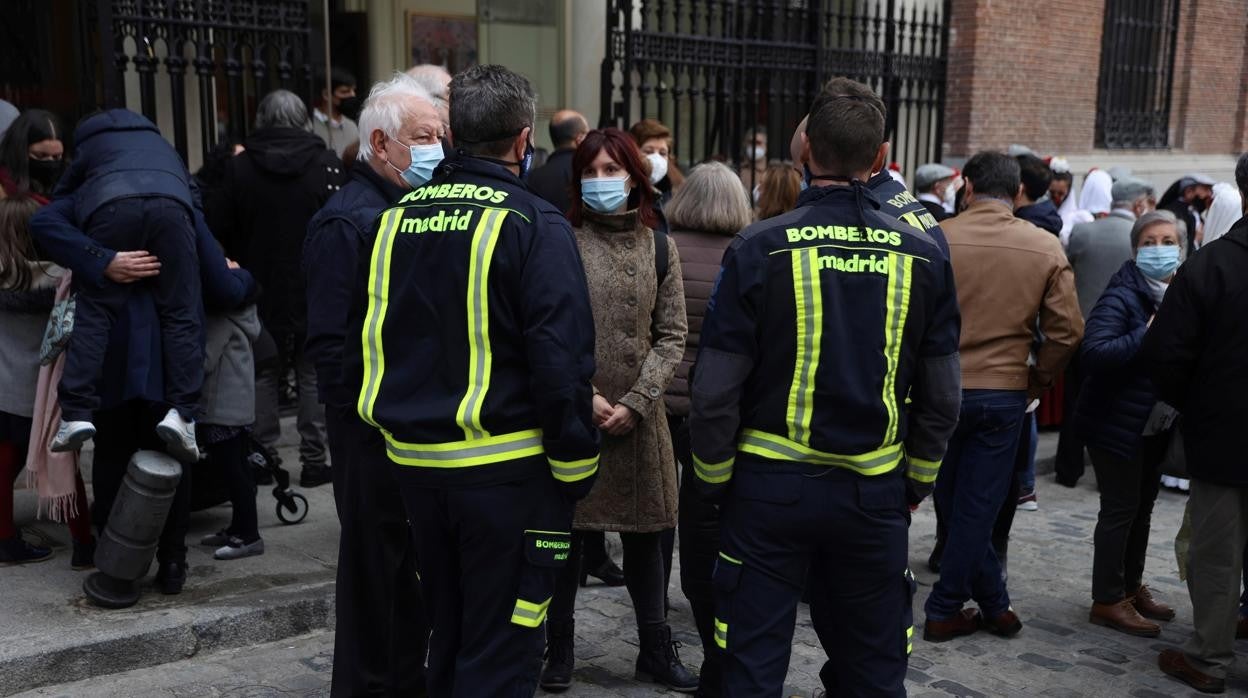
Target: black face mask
<point>1199,204</point>
<point>351,107</point>
<point>45,173</point>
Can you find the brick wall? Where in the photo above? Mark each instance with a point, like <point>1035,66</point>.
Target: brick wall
<point>1027,73</point>
<point>1207,115</point>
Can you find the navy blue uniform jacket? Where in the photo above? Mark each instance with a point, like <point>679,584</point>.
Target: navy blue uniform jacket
<point>331,255</point>
<point>471,338</point>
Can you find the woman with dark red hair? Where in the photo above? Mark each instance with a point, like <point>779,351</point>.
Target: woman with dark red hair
<point>638,298</point>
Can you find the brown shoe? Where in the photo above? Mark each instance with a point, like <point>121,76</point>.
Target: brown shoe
<point>1174,663</point>
<point>1124,617</point>
<point>1241,629</point>
<point>1004,624</point>
<point>965,622</point>
<point>1150,607</point>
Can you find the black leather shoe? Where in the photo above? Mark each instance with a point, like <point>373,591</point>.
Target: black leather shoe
<point>84,555</point>
<point>607,572</point>
<point>171,577</point>
<point>315,476</point>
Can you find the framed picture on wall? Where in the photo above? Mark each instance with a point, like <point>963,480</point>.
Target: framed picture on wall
<point>446,40</point>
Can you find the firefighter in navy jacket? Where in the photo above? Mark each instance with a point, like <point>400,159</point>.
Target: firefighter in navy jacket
<point>474,359</point>
<point>825,391</point>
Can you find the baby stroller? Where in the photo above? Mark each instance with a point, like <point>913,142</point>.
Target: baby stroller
<point>208,490</point>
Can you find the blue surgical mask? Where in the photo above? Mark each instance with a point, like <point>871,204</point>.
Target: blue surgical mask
<point>1158,261</point>
<point>604,194</point>
<point>425,159</point>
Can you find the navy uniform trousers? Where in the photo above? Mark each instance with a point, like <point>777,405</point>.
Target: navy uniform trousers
<point>782,521</point>
<point>382,628</point>
<point>488,557</point>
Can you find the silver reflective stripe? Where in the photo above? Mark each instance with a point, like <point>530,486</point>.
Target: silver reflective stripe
<point>465,452</point>
<point>572,472</point>
<point>479,339</point>
<point>794,454</point>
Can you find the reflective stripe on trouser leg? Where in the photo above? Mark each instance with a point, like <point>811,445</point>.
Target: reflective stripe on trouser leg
<point>529,614</point>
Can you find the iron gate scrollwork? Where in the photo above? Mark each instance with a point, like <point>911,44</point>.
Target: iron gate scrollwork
<point>712,70</point>
<point>251,46</point>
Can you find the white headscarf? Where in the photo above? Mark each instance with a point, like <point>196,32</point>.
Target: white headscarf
<point>1227,208</point>
<point>1070,205</point>
<point>1097,194</point>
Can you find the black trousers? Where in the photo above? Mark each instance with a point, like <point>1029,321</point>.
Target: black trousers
<point>1129,488</point>
<point>781,522</point>
<point>382,627</point>
<point>487,587</point>
<point>162,227</point>
<point>699,547</point>
<point>122,431</point>
<point>1069,467</point>
<point>643,577</point>
<point>229,458</point>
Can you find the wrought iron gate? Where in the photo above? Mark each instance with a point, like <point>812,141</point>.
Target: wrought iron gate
<point>1137,73</point>
<point>238,50</point>
<point>713,71</point>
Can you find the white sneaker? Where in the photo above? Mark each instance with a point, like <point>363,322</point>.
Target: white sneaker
<point>71,436</point>
<point>179,435</point>
<point>236,549</point>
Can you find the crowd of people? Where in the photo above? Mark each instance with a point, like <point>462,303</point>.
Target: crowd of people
<point>496,361</point>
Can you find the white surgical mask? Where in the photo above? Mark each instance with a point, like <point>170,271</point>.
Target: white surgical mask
<point>951,195</point>
<point>658,167</point>
<point>756,152</point>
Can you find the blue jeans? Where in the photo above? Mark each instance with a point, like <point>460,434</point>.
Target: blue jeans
<point>973,484</point>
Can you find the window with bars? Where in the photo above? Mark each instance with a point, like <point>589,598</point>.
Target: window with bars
<point>1137,72</point>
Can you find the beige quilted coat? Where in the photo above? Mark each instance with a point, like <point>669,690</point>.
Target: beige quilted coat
<point>640,341</point>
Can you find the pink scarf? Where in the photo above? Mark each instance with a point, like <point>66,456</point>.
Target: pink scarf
<point>54,475</point>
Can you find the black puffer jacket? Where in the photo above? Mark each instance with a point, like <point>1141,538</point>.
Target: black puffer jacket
<point>1118,396</point>
<point>260,214</point>
<point>1197,355</point>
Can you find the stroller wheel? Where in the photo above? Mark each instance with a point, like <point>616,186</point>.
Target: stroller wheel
<point>292,508</point>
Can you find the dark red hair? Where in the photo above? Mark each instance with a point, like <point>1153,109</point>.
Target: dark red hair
<point>623,150</point>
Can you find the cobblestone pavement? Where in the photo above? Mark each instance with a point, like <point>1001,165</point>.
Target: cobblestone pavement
<point>1059,654</point>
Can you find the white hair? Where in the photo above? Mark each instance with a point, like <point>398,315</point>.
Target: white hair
<point>433,78</point>
<point>387,106</point>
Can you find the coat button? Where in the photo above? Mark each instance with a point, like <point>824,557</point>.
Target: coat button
<point>631,270</point>
<point>630,333</point>
<point>632,300</point>
<point>630,362</point>
<point>630,244</point>
<point>654,392</point>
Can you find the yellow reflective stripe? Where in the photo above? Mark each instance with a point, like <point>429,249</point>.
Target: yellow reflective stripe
<point>480,361</point>
<point>721,634</point>
<point>573,471</point>
<point>374,319</point>
<point>467,453</point>
<point>713,473</point>
<point>922,470</point>
<point>897,308</point>
<point>529,614</point>
<point>913,220</point>
<point>878,462</point>
<point>808,301</point>
<point>909,639</point>
<point>733,560</point>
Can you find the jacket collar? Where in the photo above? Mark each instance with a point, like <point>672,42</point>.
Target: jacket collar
<point>1130,277</point>
<point>364,173</point>
<point>462,162</point>
<point>990,207</point>
<point>1123,213</point>
<point>612,222</point>
<point>838,193</point>
<point>1239,232</point>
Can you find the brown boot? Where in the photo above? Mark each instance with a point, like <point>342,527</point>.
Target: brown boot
<point>1150,607</point>
<point>1123,617</point>
<point>1175,664</point>
<point>964,622</point>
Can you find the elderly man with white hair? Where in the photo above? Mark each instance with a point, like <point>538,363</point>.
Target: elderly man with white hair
<point>382,626</point>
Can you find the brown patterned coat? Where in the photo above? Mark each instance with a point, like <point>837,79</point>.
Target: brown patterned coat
<point>640,330</point>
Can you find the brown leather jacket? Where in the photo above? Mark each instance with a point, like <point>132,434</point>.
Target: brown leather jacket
<point>1008,273</point>
<point>700,256</point>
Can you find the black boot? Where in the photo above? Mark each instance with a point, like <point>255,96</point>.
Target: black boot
<point>607,571</point>
<point>557,674</point>
<point>710,678</point>
<point>659,663</point>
